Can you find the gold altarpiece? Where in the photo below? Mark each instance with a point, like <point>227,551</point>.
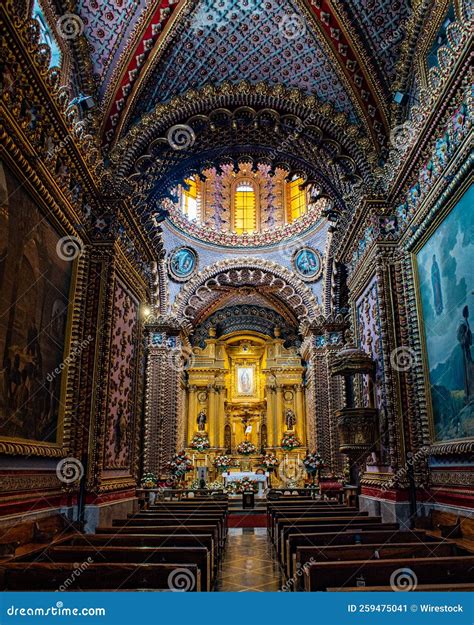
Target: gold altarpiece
<point>245,387</point>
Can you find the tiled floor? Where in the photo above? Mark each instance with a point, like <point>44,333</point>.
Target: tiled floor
<point>249,564</point>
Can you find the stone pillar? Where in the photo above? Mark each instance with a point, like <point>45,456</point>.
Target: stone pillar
<point>324,394</point>
<point>164,396</point>
<point>192,416</point>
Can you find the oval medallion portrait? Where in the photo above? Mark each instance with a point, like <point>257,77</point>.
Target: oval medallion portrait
<point>308,264</point>
<point>182,263</point>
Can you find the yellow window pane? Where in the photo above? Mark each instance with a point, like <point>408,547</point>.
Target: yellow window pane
<point>189,198</point>
<point>245,215</point>
<point>296,200</point>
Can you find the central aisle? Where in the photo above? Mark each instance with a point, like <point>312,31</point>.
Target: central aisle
<point>248,564</point>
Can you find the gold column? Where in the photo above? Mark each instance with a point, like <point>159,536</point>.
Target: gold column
<point>191,412</point>
<point>211,414</point>
<point>271,421</point>
<point>279,414</point>
<point>300,417</point>
<point>221,415</point>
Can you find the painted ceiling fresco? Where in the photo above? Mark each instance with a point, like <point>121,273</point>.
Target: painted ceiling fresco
<point>145,52</point>
<point>255,41</point>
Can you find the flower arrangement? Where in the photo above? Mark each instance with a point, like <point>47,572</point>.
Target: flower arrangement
<point>180,464</point>
<point>313,462</point>
<point>242,486</point>
<point>216,485</point>
<point>200,442</point>
<point>196,485</point>
<point>246,448</point>
<point>222,462</point>
<point>149,480</point>
<point>289,442</point>
<point>269,462</point>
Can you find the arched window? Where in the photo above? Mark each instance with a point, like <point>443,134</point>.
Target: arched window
<point>46,35</point>
<point>189,198</point>
<point>295,199</point>
<point>245,208</point>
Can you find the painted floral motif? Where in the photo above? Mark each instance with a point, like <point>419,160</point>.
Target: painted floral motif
<point>370,337</point>
<point>125,338</point>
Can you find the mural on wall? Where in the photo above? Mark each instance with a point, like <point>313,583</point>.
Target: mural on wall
<point>35,280</point>
<point>123,358</point>
<point>446,277</point>
<point>369,334</point>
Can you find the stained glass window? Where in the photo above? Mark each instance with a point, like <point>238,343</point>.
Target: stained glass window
<point>245,210</point>
<point>189,199</point>
<point>296,200</point>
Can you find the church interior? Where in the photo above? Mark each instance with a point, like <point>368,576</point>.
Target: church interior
<point>236,295</point>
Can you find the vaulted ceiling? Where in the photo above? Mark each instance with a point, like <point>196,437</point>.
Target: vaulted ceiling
<point>201,62</point>
<point>343,51</point>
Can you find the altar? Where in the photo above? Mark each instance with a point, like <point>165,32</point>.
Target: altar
<point>261,478</point>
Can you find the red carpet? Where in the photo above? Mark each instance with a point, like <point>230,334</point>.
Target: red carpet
<point>247,520</point>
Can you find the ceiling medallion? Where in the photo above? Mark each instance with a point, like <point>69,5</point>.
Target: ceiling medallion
<point>308,264</point>
<point>182,263</point>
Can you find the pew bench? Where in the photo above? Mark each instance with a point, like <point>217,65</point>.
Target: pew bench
<point>376,552</point>
<point>302,530</point>
<point>41,576</point>
<point>319,576</point>
<point>200,556</point>
<point>349,537</point>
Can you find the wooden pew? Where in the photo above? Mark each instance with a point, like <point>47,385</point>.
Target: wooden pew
<point>147,540</point>
<point>178,522</point>
<point>350,537</point>
<point>284,523</point>
<point>303,530</point>
<point>420,588</point>
<point>323,575</point>
<point>404,551</point>
<point>25,536</point>
<point>200,556</point>
<point>273,511</point>
<point>30,576</point>
<point>278,516</point>
<point>195,530</point>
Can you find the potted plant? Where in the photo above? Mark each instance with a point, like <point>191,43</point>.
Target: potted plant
<point>246,448</point>
<point>290,442</point>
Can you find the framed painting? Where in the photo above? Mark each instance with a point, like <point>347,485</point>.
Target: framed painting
<point>37,273</point>
<point>445,286</point>
<point>245,380</point>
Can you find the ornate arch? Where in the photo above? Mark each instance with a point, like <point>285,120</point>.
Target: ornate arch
<point>266,276</point>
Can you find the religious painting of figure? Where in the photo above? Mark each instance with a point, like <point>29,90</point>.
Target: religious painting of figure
<point>35,282</point>
<point>182,263</point>
<point>308,264</point>
<point>446,277</point>
<point>245,380</point>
